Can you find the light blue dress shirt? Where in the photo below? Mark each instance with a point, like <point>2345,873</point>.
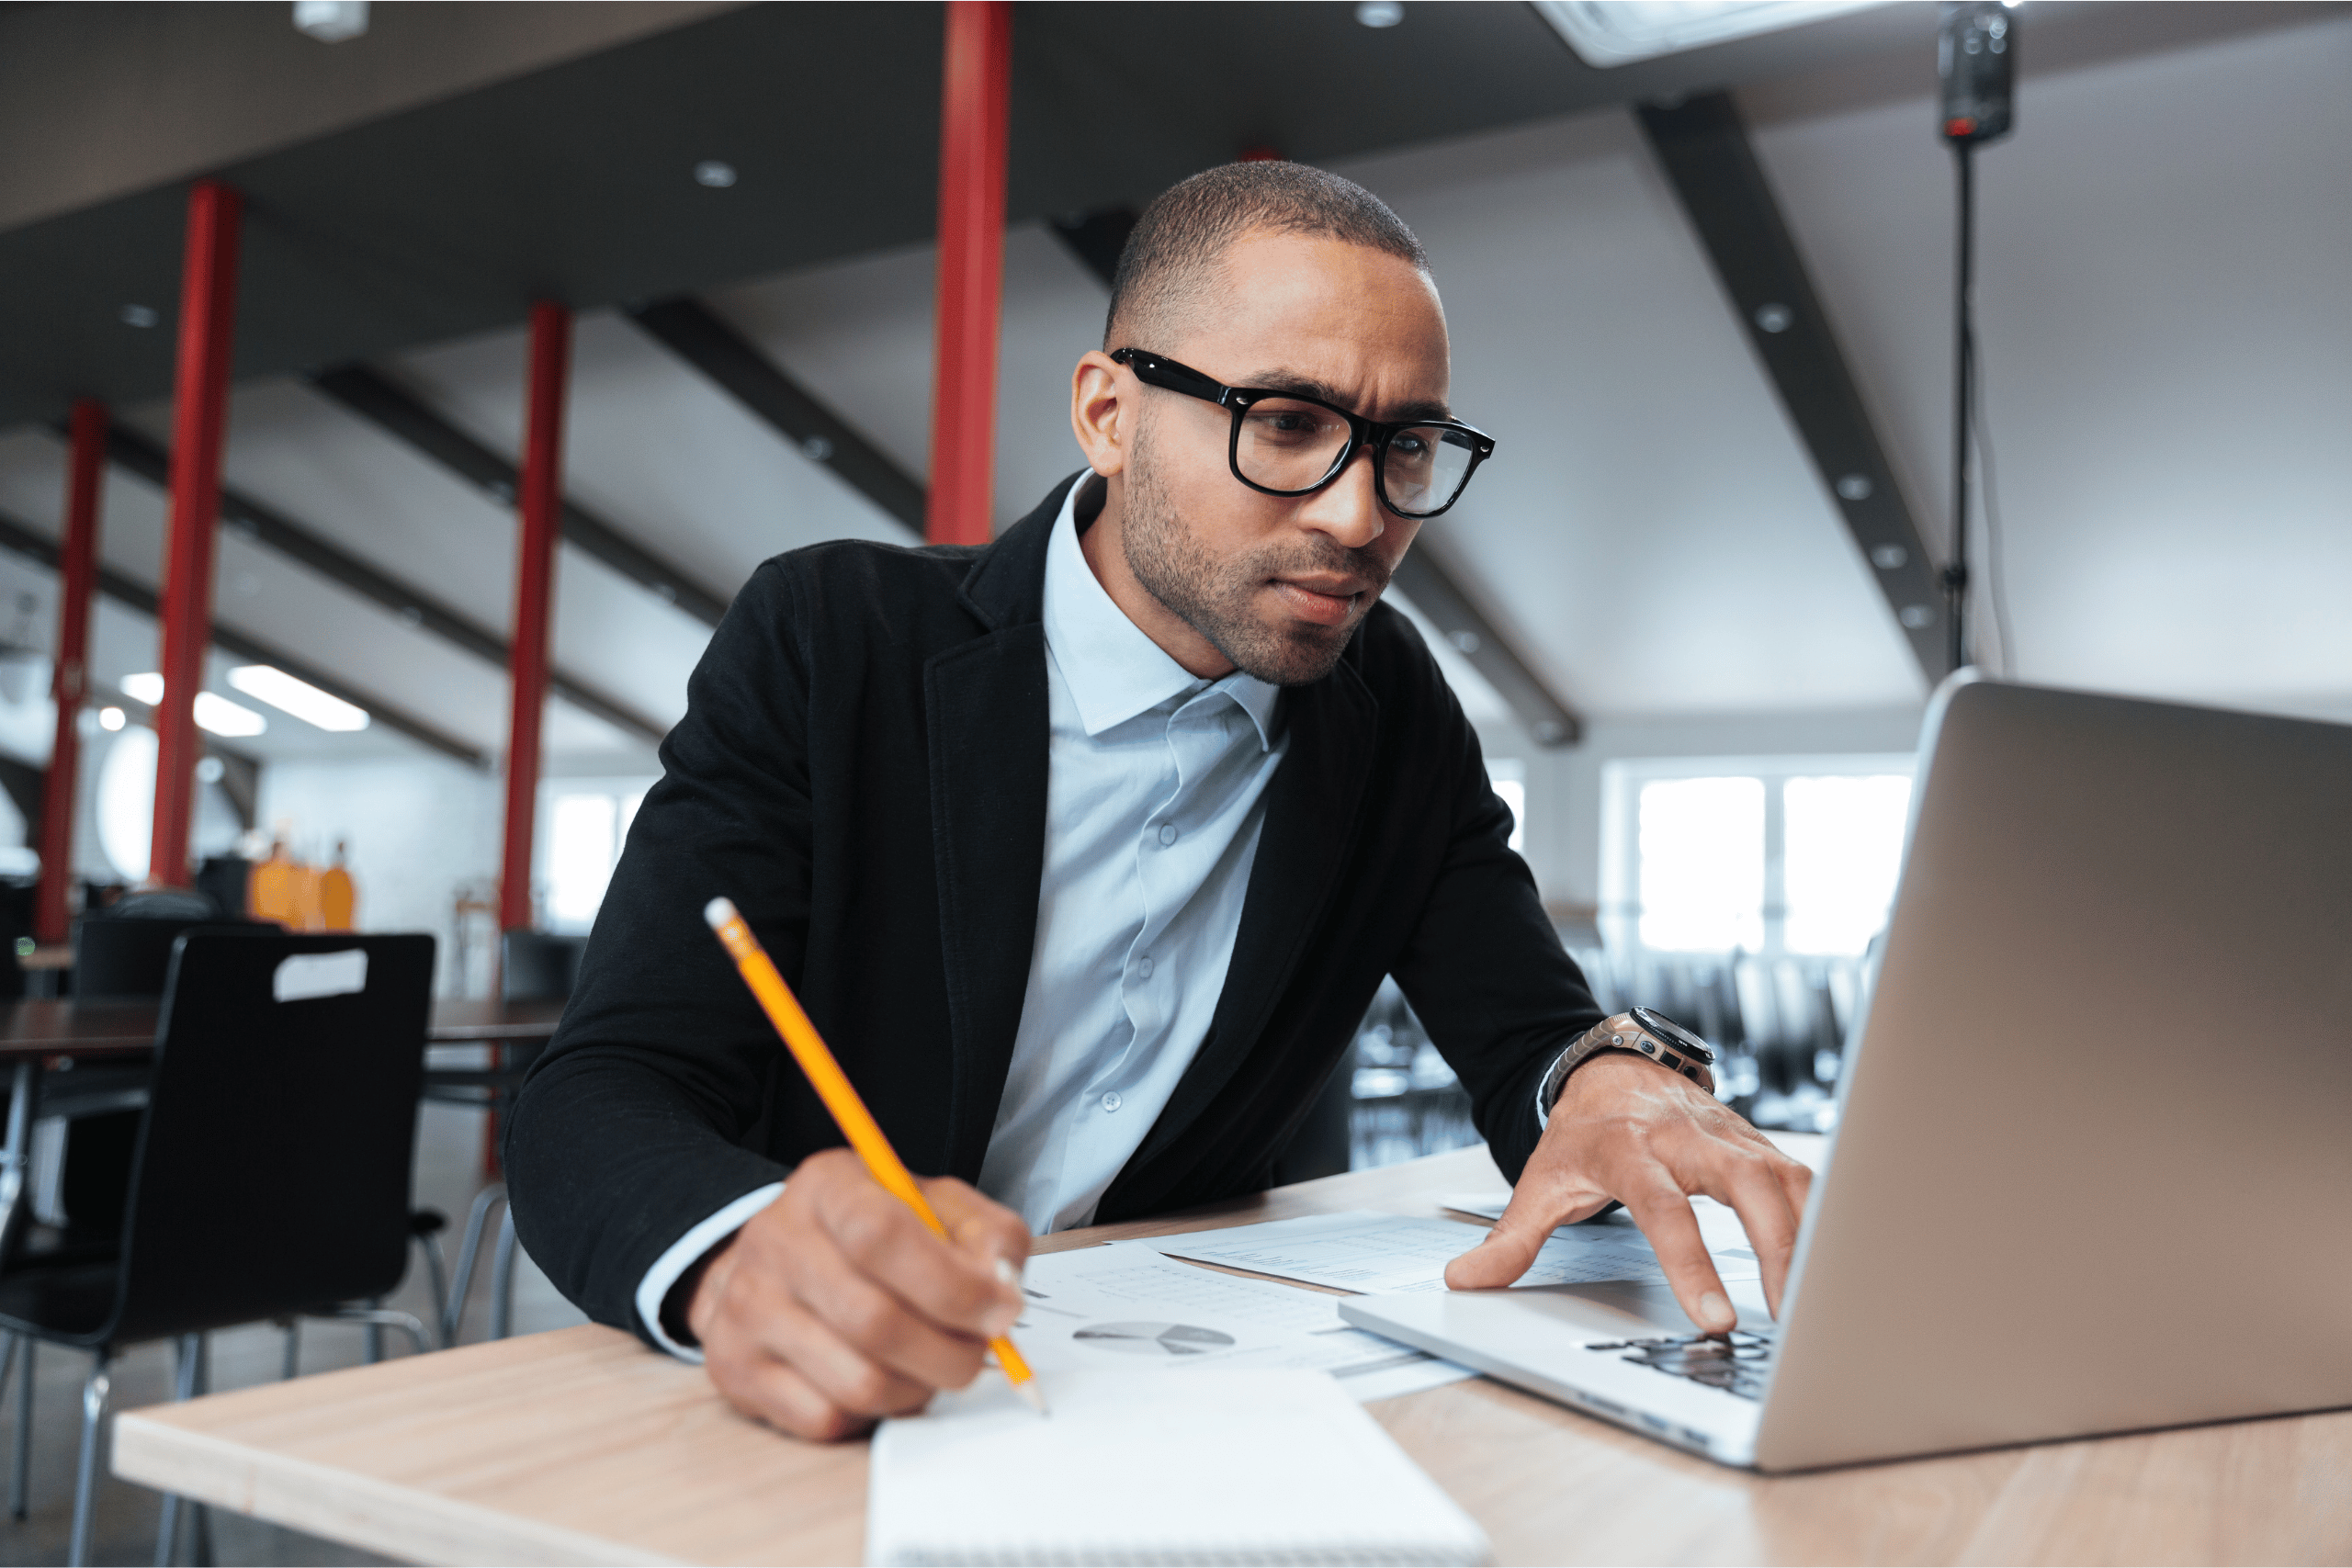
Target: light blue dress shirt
<point>1154,804</point>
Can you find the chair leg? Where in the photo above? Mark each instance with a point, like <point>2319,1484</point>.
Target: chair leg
<point>168,1530</point>
<point>291,1366</point>
<point>377,1319</point>
<point>8,1361</point>
<point>502,1280</point>
<point>431,1247</point>
<point>19,1483</point>
<point>461,1284</point>
<point>86,1477</point>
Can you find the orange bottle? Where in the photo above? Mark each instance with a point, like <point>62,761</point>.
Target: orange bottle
<point>338,897</point>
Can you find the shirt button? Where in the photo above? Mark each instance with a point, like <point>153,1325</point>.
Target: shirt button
<point>1111,1102</point>
<point>1145,968</point>
<point>1167,834</point>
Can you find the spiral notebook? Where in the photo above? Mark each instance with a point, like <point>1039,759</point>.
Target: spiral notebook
<point>1141,1468</point>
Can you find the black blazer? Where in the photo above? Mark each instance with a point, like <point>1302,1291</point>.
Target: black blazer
<point>862,768</point>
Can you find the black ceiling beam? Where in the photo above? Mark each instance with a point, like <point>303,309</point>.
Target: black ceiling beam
<point>400,412</point>
<point>17,538</point>
<point>1096,239</point>
<point>1437,593</point>
<point>693,332</point>
<point>135,453</point>
<point>1704,151</point>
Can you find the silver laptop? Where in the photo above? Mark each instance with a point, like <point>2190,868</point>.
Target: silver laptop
<point>2093,1166</point>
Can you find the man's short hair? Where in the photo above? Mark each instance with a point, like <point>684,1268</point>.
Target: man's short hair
<point>1169,264</point>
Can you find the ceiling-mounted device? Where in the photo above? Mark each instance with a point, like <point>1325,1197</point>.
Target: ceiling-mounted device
<point>1976,59</point>
<point>1617,32</point>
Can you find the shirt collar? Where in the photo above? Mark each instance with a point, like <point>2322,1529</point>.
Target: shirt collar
<point>1113,668</point>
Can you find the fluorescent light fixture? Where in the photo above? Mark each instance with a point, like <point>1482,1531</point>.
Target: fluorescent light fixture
<point>301,699</point>
<point>217,714</point>
<point>224,717</point>
<point>1617,32</point>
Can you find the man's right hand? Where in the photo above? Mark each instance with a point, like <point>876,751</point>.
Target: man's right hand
<point>835,1305</point>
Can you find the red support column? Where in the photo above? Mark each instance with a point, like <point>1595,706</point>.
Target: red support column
<point>973,95</point>
<point>77,568</point>
<point>200,426</point>
<point>541,504</point>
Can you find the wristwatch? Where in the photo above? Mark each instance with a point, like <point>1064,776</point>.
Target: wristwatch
<point>1643,1032</point>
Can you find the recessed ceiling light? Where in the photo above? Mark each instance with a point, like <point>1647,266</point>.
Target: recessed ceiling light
<point>715,173</point>
<point>140,316</point>
<point>331,21</point>
<point>112,719</point>
<point>1617,32</point>
<point>1380,13</point>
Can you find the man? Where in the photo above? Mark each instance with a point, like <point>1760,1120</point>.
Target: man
<point>1086,850</point>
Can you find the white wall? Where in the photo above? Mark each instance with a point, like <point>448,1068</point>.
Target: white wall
<point>416,829</point>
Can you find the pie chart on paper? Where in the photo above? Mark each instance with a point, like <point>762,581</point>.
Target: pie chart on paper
<point>1153,1338</point>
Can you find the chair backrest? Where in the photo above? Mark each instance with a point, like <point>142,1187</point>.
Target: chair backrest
<point>536,968</point>
<point>125,956</point>
<point>273,1167</point>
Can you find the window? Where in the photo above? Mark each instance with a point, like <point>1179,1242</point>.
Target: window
<point>1508,777</point>
<point>1773,855</point>
<point>586,825</point>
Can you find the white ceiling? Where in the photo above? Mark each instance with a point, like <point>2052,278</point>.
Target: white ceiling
<point>2164,329</point>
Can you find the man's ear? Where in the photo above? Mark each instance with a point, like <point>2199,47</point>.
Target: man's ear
<point>1099,414</point>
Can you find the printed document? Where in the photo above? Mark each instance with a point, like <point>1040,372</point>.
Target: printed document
<point>1124,1305</point>
<point>1364,1251</point>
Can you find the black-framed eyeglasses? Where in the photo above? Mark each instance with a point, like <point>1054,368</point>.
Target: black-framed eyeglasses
<point>1288,445</point>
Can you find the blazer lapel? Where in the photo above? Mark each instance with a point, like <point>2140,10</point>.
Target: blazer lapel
<point>1311,809</point>
<point>986,706</point>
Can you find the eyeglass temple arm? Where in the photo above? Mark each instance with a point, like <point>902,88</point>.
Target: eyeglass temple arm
<point>1157,371</point>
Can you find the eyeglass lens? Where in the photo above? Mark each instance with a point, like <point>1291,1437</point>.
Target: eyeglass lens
<point>1291,446</point>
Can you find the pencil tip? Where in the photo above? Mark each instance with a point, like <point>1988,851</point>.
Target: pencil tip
<point>1034,1395</point>
<point>718,911</point>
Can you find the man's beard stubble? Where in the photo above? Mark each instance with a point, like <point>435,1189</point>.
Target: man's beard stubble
<point>1214,598</point>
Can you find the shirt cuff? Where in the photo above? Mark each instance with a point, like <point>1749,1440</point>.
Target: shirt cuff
<point>1544,1102</point>
<point>687,1251</point>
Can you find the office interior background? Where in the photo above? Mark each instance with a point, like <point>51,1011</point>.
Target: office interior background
<point>1696,641</point>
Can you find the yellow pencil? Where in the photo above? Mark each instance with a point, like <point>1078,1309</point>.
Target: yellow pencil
<point>833,1087</point>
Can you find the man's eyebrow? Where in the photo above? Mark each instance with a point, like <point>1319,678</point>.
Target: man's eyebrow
<point>1323,392</point>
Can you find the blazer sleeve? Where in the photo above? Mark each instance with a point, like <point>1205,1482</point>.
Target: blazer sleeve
<point>643,1116</point>
<point>1484,968</point>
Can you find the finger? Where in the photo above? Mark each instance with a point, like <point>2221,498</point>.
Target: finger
<point>790,1333</point>
<point>884,1240</point>
<point>1508,1249</point>
<point>1664,1214</point>
<point>977,1221</point>
<point>1747,1182</point>
<point>771,1391</point>
<point>881,1326</point>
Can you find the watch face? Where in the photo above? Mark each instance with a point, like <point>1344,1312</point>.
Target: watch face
<point>1674,1035</point>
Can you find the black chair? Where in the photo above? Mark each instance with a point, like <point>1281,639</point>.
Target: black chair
<point>272,1165</point>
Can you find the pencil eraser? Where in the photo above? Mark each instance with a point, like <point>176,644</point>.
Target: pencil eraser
<point>718,911</point>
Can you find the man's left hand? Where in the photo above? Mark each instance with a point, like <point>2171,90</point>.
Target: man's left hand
<point>1628,1129</point>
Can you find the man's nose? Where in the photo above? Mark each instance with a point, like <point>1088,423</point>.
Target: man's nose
<point>1348,509</point>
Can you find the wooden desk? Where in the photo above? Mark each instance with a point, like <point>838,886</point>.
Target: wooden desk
<point>580,1446</point>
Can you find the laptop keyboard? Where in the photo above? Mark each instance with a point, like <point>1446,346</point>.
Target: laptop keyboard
<point>1735,1362</point>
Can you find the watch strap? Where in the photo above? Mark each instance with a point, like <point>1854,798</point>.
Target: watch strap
<point>1620,1032</point>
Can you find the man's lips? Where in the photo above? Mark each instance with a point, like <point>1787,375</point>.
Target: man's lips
<point>1328,604</point>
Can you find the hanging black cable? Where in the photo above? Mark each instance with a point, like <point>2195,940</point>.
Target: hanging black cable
<point>1977,57</point>
<point>1955,576</point>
